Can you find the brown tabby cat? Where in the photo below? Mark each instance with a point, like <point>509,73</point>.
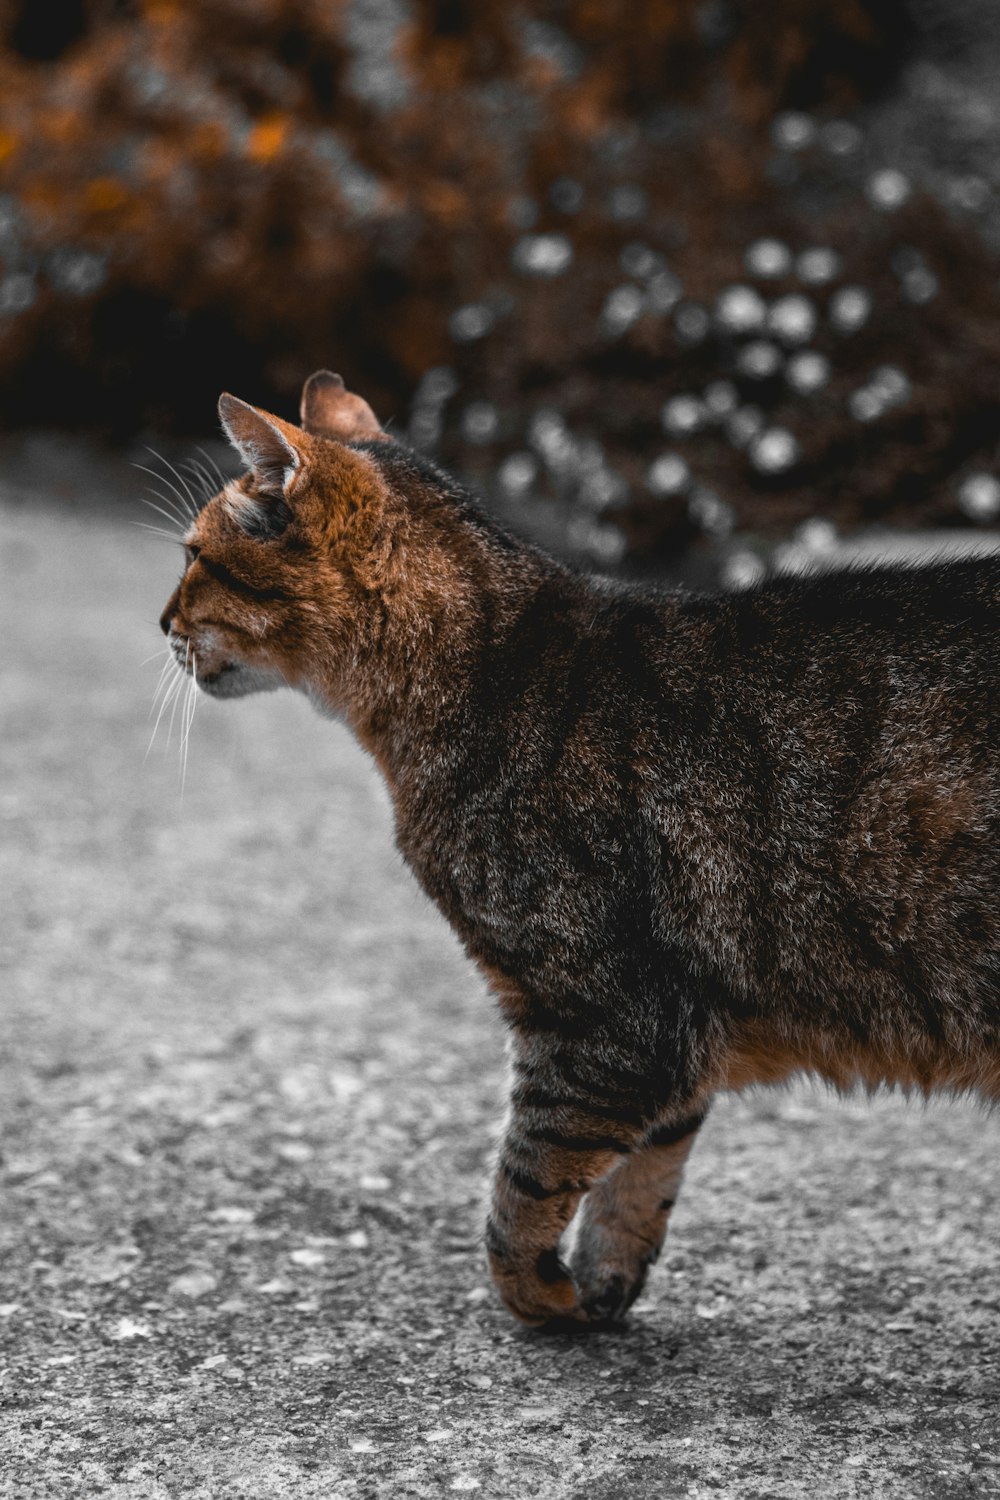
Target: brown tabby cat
<point>694,843</point>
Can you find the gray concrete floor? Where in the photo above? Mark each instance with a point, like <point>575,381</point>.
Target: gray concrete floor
<point>248,1089</point>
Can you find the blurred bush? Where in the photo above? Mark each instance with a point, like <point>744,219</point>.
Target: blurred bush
<point>634,254</point>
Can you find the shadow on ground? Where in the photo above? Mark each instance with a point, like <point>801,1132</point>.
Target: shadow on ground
<point>248,1091</point>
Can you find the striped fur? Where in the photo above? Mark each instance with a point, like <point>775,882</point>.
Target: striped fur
<point>695,844</point>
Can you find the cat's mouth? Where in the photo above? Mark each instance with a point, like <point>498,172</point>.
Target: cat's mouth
<point>225,679</point>
<point>215,682</point>
<point>233,680</point>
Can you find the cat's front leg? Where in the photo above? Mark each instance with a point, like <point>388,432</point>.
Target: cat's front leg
<point>536,1191</point>
<point>624,1218</point>
<point>554,1149</point>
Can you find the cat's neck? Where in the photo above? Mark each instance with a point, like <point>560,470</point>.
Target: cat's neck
<point>436,590</point>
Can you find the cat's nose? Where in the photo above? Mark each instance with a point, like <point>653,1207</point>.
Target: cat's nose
<point>167,617</point>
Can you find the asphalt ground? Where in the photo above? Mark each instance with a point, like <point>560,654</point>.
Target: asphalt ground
<point>249,1088</point>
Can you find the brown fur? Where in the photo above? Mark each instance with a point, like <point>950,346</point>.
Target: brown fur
<point>694,844</point>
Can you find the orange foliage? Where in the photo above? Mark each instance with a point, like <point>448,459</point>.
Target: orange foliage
<point>267,138</point>
<point>261,187</point>
<point>104,195</point>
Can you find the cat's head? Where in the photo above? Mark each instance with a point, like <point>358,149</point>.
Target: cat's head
<point>276,560</point>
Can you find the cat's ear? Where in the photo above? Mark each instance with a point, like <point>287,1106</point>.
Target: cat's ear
<point>329,410</point>
<point>275,452</point>
<point>273,449</point>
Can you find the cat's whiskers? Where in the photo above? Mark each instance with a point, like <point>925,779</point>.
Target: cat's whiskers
<point>166,679</point>
<point>179,501</point>
<point>173,537</point>
<point>169,500</point>
<point>169,687</point>
<point>178,695</point>
<point>214,469</point>
<point>172,515</point>
<point>188,500</point>
<point>168,694</point>
<point>162,680</point>
<point>163,651</point>
<point>202,477</point>
<point>176,497</point>
<point>191,703</point>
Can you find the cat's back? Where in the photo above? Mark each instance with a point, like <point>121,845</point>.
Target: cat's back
<point>594,690</point>
<point>807,689</point>
<point>928,613</point>
<point>854,654</point>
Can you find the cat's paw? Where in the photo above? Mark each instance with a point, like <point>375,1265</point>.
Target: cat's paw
<point>609,1274</point>
<point>540,1292</point>
<point>608,1297</point>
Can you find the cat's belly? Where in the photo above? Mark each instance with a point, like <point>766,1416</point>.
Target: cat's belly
<point>758,1054</point>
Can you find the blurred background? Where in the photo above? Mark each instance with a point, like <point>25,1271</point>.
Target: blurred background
<point>691,287</point>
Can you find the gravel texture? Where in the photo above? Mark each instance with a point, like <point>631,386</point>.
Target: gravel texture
<point>248,1090</point>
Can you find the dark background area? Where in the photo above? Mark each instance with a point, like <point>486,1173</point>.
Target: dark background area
<point>694,271</point>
